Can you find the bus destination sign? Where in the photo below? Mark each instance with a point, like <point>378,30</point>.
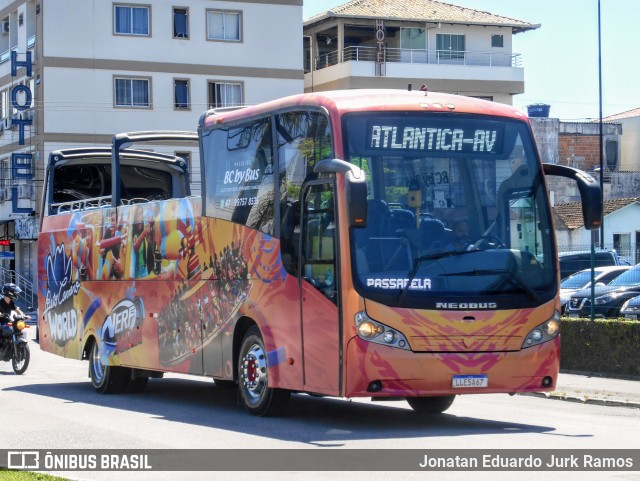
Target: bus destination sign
<point>466,137</point>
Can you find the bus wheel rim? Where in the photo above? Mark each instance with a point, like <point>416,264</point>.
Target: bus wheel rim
<point>254,372</point>
<point>97,367</point>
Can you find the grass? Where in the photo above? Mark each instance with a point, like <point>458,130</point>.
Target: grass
<point>8,475</point>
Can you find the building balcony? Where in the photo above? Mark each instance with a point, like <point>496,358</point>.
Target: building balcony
<point>403,55</point>
<point>466,72</point>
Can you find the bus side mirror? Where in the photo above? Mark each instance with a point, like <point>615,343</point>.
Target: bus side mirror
<point>356,200</point>
<point>590,193</point>
<point>356,188</point>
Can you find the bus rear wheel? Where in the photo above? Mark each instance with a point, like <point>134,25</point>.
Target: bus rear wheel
<point>253,386</point>
<point>431,405</point>
<point>106,379</point>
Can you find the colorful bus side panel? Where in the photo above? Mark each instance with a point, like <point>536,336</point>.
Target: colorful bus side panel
<point>160,288</point>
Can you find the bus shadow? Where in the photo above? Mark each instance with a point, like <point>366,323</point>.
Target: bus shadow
<point>313,420</point>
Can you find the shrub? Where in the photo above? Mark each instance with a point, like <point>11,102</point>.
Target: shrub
<point>602,346</point>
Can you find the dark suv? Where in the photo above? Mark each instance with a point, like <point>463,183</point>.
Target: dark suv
<point>608,300</point>
<point>571,262</point>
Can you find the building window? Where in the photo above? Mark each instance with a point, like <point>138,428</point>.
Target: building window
<point>132,92</point>
<point>483,97</point>
<point>413,38</point>
<point>4,104</point>
<point>225,94</point>
<point>497,41</point>
<point>622,244</point>
<point>5,173</point>
<point>131,20</point>
<point>180,23</point>
<point>224,25</point>
<point>181,94</point>
<point>450,46</point>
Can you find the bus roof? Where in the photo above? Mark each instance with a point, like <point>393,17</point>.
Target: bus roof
<point>343,101</point>
<point>104,154</point>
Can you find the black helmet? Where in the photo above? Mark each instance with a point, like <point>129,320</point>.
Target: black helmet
<point>11,291</point>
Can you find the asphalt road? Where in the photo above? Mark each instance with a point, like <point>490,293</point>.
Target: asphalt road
<point>53,406</point>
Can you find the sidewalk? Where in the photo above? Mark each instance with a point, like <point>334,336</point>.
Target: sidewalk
<point>595,390</point>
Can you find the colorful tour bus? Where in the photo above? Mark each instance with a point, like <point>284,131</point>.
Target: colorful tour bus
<point>362,243</point>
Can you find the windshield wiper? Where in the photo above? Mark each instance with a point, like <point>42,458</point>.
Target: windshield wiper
<point>508,276</point>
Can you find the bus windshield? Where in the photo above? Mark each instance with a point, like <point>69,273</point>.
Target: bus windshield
<point>457,208</point>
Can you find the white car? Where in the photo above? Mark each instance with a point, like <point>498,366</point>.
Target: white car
<point>582,279</point>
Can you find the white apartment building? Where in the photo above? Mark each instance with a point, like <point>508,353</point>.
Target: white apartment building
<point>75,72</point>
<point>394,43</point>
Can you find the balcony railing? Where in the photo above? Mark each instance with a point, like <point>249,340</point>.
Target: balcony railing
<point>403,55</point>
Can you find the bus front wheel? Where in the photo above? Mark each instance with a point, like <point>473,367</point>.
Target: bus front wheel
<point>431,405</point>
<point>253,386</point>
<point>106,379</point>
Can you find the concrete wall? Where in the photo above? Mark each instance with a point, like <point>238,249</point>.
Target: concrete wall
<point>630,144</point>
<point>545,131</point>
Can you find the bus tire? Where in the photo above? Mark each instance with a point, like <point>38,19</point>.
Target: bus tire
<point>431,405</point>
<point>106,379</point>
<point>225,384</point>
<point>254,392</point>
<point>137,384</point>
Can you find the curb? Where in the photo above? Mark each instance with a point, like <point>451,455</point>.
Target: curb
<point>584,399</point>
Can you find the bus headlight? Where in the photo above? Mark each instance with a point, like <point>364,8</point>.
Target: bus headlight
<point>374,331</point>
<point>544,332</point>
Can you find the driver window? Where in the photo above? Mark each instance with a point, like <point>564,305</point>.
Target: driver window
<point>319,241</point>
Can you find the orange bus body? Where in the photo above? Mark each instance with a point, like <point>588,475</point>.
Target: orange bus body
<point>215,278</point>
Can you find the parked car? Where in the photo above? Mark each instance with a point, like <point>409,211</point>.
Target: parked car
<point>582,280</point>
<point>631,309</point>
<point>608,300</point>
<point>574,261</point>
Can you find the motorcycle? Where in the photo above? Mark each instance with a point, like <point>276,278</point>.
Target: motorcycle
<point>14,346</point>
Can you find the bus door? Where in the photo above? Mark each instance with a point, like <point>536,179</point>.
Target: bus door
<point>319,289</point>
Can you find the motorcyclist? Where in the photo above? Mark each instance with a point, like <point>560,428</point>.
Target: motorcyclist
<point>10,293</point>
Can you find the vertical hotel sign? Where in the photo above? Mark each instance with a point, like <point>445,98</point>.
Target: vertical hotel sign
<point>380,52</point>
<point>21,162</point>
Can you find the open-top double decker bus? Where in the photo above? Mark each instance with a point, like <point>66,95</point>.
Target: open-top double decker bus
<point>367,243</point>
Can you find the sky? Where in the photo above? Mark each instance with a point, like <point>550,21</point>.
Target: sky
<point>560,58</point>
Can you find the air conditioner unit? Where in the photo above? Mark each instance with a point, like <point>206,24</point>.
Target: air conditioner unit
<point>5,27</point>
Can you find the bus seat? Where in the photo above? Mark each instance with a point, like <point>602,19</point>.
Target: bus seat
<point>399,220</point>
<point>431,233</point>
<point>376,213</point>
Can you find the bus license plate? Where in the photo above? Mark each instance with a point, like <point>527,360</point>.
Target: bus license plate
<point>478,380</point>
